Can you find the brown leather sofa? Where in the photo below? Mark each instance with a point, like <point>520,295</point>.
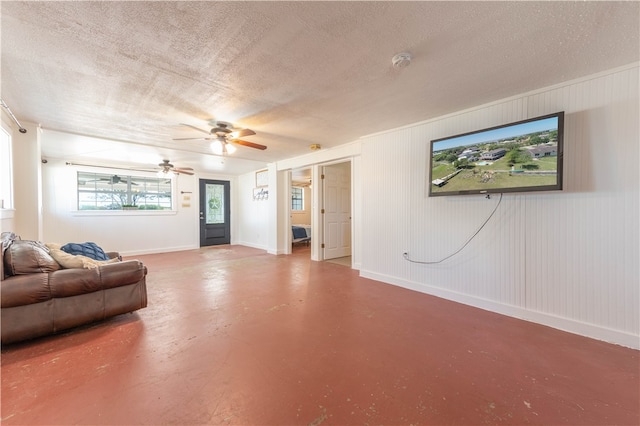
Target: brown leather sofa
<point>39,297</point>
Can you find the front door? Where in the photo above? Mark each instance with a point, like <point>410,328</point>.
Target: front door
<point>214,212</point>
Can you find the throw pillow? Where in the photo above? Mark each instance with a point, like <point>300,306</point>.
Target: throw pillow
<point>66,260</point>
<point>71,261</point>
<point>88,249</point>
<point>89,263</point>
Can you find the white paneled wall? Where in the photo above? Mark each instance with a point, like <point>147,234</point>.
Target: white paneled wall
<point>385,203</point>
<point>567,259</point>
<point>252,215</point>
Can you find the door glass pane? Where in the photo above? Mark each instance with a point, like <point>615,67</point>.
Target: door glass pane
<point>215,203</point>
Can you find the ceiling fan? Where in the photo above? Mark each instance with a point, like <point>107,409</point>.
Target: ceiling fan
<point>111,180</point>
<point>166,167</point>
<point>224,136</point>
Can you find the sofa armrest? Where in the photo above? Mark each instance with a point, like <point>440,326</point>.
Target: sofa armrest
<point>113,255</point>
<point>121,273</point>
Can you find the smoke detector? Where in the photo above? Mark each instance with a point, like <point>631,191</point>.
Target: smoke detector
<point>401,60</point>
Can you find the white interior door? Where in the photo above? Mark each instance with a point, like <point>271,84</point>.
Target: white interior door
<point>337,210</point>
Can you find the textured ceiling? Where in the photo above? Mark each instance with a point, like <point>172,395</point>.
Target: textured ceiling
<point>296,73</point>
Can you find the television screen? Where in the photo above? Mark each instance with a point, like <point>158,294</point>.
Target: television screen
<point>515,157</point>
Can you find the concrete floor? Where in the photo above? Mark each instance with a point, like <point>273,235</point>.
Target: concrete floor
<point>233,335</point>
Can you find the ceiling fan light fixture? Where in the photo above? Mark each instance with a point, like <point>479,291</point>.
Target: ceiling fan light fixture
<point>222,147</point>
<point>217,147</point>
<point>222,135</point>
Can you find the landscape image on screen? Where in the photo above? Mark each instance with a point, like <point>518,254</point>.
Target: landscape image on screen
<point>517,157</point>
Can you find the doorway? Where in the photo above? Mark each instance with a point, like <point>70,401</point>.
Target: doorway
<point>331,210</point>
<point>300,210</point>
<point>215,212</point>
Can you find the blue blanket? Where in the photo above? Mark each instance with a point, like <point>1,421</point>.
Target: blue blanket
<point>86,249</point>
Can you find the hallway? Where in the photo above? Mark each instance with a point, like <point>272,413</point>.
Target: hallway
<point>233,335</point>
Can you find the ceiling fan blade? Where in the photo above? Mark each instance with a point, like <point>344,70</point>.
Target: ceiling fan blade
<point>241,133</point>
<point>248,144</point>
<point>184,172</point>
<point>192,139</point>
<point>196,128</point>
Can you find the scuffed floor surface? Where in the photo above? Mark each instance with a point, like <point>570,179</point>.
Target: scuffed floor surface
<point>233,335</point>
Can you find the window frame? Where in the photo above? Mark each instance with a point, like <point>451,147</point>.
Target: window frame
<point>127,178</point>
<point>6,173</point>
<point>294,198</point>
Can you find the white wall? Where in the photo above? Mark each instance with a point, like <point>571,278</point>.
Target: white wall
<point>252,215</point>
<point>129,232</point>
<point>567,259</point>
<point>27,182</point>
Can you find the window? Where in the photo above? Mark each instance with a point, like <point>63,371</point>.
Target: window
<point>297,198</point>
<point>6,167</point>
<point>98,191</point>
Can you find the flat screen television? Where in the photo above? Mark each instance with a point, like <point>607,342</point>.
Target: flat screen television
<point>516,157</point>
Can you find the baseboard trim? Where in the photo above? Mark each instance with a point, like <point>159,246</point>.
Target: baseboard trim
<point>155,251</point>
<point>252,245</point>
<point>561,323</point>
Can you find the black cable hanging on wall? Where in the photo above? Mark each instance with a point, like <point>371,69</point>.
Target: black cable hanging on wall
<point>13,117</point>
<point>434,262</point>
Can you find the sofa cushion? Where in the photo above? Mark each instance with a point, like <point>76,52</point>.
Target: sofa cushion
<point>87,249</point>
<point>71,261</point>
<point>28,257</point>
<point>22,290</point>
<point>72,282</point>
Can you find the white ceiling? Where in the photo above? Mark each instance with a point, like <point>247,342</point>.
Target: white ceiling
<point>296,73</point>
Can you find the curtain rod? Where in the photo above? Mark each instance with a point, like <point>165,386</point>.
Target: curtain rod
<point>68,163</point>
<point>20,128</point>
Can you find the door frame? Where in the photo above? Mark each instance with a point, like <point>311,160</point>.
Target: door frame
<point>317,201</point>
